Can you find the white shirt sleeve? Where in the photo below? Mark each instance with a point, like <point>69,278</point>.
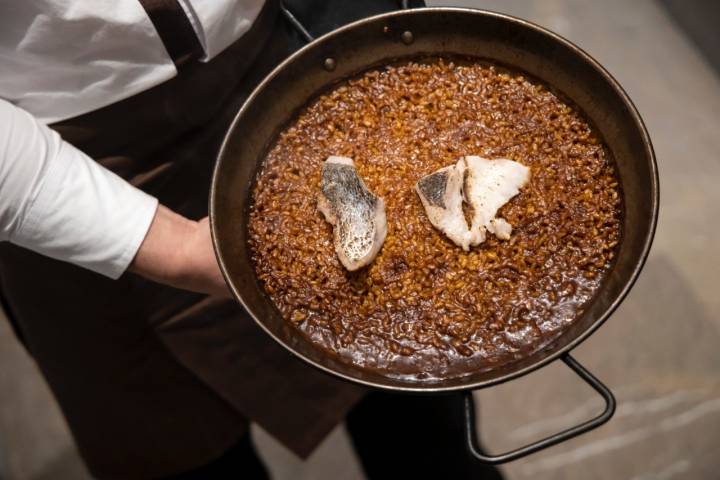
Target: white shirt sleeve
<point>218,23</point>
<point>57,201</point>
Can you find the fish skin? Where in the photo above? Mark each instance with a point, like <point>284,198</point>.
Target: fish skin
<point>441,194</point>
<point>356,214</point>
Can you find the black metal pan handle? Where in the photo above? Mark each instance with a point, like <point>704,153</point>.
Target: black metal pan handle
<point>296,23</point>
<point>471,434</point>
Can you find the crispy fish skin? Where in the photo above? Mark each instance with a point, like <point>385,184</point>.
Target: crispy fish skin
<point>356,214</point>
<point>441,195</point>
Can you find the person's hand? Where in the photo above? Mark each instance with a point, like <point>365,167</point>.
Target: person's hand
<point>179,252</point>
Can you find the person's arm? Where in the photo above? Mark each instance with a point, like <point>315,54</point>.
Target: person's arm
<point>58,202</point>
<point>179,252</point>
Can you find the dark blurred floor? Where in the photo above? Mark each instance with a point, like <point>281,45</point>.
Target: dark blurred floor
<point>659,353</point>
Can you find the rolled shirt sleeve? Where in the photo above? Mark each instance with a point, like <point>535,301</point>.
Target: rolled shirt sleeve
<point>57,201</point>
<point>218,23</point>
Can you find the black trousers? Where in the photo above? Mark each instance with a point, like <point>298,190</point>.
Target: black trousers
<point>394,435</point>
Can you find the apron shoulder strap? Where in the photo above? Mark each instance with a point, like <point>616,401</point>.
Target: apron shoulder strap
<point>175,30</point>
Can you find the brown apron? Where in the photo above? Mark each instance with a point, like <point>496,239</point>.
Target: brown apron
<point>153,380</point>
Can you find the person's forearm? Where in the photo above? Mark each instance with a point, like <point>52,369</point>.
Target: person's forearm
<point>178,252</point>
<point>57,201</point>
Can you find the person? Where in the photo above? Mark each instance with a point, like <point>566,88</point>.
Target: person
<point>111,114</point>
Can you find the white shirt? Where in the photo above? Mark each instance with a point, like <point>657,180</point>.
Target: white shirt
<point>63,58</point>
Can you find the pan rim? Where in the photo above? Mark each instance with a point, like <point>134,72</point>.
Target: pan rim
<point>435,387</point>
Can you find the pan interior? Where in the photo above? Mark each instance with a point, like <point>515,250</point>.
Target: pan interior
<point>443,32</point>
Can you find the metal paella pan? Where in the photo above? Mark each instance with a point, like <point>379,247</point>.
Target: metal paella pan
<point>439,31</point>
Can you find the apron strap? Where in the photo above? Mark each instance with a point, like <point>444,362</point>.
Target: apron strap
<point>175,30</point>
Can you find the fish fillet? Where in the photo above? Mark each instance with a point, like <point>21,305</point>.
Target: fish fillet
<point>485,185</point>
<point>441,195</point>
<point>490,184</point>
<point>356,214</point>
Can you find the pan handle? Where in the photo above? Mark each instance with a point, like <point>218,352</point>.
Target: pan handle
<point>471,434</point>
<point>296,23</point>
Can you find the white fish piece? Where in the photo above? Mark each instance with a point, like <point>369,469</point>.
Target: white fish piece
<point>490,184</point>
<point>356,214</point>
<point>500,228</point>
<point>441,195</point>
